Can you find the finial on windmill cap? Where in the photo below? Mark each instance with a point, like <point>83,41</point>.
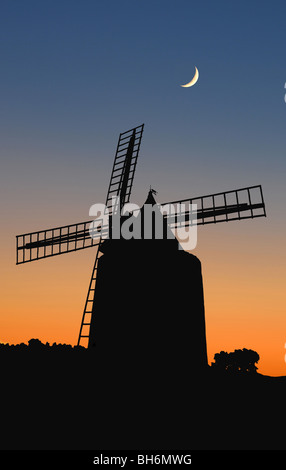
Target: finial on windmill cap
<point>150,198</point>
<point>152,191</point>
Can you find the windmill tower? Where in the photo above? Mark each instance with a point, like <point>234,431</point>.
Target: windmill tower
<point>155,314</point>
<point>145,297</point>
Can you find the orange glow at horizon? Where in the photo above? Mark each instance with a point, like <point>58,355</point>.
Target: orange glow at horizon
<point>243,291</point>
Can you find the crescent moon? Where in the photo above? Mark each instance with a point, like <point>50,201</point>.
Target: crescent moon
<point>193,81</point>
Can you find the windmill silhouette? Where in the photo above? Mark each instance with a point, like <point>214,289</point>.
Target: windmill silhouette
<point>131,276</point>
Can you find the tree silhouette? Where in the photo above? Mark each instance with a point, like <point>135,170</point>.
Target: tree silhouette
<point>36,346</point>
<point>240,360</point>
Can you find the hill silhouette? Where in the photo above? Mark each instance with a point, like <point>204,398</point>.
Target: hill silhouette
<point>61,397</point>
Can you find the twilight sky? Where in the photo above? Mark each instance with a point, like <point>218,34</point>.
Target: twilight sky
<point>74,74</point>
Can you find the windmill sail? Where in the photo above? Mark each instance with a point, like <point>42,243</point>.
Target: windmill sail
<point>124,166</point>
<point>238,204</point>
<point>54,241</point>
<point>120,186</point>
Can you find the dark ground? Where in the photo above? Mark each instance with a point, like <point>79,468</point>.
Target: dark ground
<point>65,400</point>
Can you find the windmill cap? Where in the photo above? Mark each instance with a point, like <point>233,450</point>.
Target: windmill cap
<point>152,225</point>
<point>150,198</point>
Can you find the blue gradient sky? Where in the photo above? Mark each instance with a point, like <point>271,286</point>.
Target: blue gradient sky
<point>76,73</point>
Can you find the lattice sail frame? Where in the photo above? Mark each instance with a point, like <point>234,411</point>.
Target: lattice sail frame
<point>56,241</point>
<point>238,204</point>
<point>120,186</point>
